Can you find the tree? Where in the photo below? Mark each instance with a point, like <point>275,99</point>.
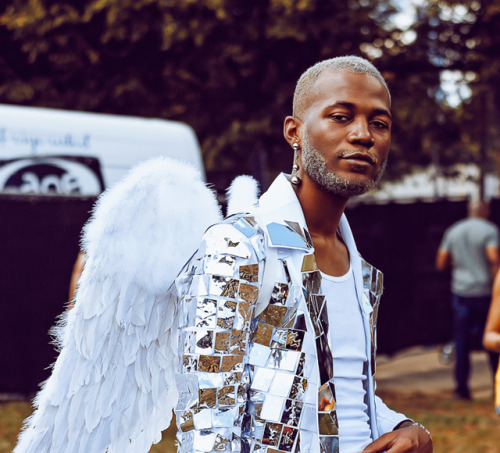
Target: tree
<point>226,67</point>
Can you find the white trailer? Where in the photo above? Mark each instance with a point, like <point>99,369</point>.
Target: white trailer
<point>50,138</point>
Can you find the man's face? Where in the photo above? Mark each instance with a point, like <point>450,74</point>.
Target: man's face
<point>346,132</point>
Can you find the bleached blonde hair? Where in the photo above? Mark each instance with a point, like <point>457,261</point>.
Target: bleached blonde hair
<point>348,63</point>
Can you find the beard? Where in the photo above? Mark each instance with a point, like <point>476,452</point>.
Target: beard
<point>314,165</point>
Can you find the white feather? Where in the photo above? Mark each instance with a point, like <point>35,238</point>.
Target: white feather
<point>242,194</point>
<point>110,389</point>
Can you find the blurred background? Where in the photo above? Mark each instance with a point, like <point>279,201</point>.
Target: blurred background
<point>88,88</point>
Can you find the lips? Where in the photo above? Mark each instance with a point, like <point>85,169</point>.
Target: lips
<point>359,155</point>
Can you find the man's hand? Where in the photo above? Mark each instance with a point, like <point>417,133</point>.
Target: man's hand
<point>411,438</point>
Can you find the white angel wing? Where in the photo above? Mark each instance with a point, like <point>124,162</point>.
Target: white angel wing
<point>242,194</point>
<point>112,387</point>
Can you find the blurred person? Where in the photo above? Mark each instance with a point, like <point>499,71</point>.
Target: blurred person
<point>75,276</point>
<point>275,324</point>
<point>491,338</point>
<point>470,248</point>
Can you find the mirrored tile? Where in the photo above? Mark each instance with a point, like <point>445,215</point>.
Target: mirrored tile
<point>273,315</point>
<point>327,422</point>
<point>259,248</point>
<point>207,380</point>
<point>206,312</point>
<point>251,220</point>
<point>244,227</point>
<point>299,387</point>
<point>291,413</point>
<point>288,437</point>
<point>329,444</point>
<point>309,240</point>
<point>222,443</point>
<point>258,354</point>
<point>311,281</point>
<point>185,421</point>
<point>300,366</point>
<point>294,340</point>
<point>272,434</point>
<point>279,338</point>
<point>309,264</point>
<point>233,378</point>
<point>283,359</point>
<point>223,265</point>
<point>188,339</point>
<point>207,398</point>
<point>232,363</point>
<point>241,393</point>
<point>226,314</point>
<point>238,342</point>
<point>380,283</point>
<point>248,293</point>
<point>203,440</point>
<point>286,271</point>
<point>189,363</point>
<point>300,322</point>
<point>326,397</point>
<point>224,286</point>
<point>227,395</point>
<point>272,408</point>
<point>202,419</point>
<point>283,235</point>
<point>290,317</point>
<point>224,416</point>
<point>281,384</point>
<point>204,341</point>
<point>309,418</point>
<point>209,364</point>
<point>200,285</point>
<point>243,316</point>
<point>262,379</point>
<point>263,334</point>
<point>249,273</point>
<point>222,342</point>
<point>280,293</point>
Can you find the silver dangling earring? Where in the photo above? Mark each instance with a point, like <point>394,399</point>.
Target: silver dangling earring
<point>295,180</point>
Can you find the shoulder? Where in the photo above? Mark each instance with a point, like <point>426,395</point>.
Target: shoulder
<point>238,235</point>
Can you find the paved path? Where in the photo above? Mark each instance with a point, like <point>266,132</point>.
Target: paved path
<point>419,370</point>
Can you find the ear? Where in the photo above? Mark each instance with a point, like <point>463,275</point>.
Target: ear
<point>291,130</point>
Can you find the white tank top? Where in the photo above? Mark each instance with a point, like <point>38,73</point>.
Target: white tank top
<point>348,344</point>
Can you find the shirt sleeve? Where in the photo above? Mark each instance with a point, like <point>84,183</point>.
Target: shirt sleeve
<point>387,419</point>
<point>492,237</point>
<point>445,242</point>
<point>217,307</point>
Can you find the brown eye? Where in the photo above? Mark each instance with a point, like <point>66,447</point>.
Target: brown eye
<point>339,117</point>
<point>380,125</point>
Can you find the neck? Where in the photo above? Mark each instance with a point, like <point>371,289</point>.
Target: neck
<point>322,210</point>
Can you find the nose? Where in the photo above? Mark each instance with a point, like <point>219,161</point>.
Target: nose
<point>359,134</point>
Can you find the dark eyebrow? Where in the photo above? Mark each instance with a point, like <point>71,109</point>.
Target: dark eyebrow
<point>352,106</point>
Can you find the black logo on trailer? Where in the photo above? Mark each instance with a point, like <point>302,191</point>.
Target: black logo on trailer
<point>57,175</point>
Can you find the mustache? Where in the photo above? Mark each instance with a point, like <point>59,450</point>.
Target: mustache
<point>359,154</point>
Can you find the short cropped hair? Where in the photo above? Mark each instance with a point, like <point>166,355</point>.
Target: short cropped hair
<point>349,63</point>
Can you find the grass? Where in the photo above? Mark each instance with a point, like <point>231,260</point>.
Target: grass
<point>456,426</point>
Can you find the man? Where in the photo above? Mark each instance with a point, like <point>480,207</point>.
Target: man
<point>266,341</point>
<point>294,372</point>
<point>470,248</point>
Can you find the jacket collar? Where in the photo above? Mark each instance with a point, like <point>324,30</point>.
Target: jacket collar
<point>280,213</point>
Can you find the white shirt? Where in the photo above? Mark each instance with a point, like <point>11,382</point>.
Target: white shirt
<point>348,345</point>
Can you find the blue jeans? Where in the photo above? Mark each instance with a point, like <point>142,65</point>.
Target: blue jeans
<point>470,318</point>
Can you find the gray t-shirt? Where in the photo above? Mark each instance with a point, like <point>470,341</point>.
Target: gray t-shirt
<point>466,241</point>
